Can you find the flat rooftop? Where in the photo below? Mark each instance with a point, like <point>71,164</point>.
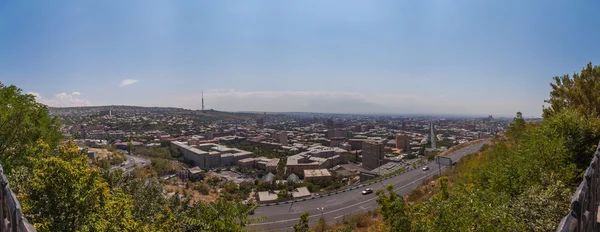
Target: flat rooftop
<point>316,173</point>
<point>187,147</point>
<point>213,149</point>
<point>267,196</point>
<point>301,192</point>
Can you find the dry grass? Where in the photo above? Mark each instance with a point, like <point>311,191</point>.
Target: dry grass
<point>195,195</point>
<point>102,153</point>
<point>462,145</point>
<point>367,221</point>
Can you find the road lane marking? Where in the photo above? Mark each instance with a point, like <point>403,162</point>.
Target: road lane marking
<point>347,207</point>
<point>350,206</point>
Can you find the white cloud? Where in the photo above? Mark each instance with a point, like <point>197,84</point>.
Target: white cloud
<point>127,82</point>
<point>36,95</point>
<point>62,100</point>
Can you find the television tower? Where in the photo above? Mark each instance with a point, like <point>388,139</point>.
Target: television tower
<point>202,100</point>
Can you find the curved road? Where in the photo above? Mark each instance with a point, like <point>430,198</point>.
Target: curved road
<point>131,161</point>
<point>283,217</point>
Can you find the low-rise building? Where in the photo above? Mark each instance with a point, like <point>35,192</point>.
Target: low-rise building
<point>317,157</point>
<point>266,196</point>
<point>262,163</point>
<point>301,192</point>
<point>317,175</point>
<point>271,196</point>
<point>211,155</point>
<point>92,154</point>
<point>337,133</point>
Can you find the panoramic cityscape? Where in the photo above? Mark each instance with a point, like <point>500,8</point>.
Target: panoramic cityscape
<point>273,159</point>
<point>299,116</point>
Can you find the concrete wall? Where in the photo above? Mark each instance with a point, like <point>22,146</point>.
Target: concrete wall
<point>189,155</point>
<point>372,154</point>
<point>212,161</point>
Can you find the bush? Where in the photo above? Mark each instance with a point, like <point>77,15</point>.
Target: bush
<point>203,188</point>
<point>410,156</point>
<point>361,220</point>
<point>162,166</point>
<point>415,195</point>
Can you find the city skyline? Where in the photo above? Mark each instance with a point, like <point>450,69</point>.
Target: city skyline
<point>383,57</point>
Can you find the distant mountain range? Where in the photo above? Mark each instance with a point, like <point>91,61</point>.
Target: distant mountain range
<point>90,110</point>
<point>317,114</point>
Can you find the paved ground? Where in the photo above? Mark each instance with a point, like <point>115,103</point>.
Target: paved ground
<point>129,165</point>
<point>283,217</point>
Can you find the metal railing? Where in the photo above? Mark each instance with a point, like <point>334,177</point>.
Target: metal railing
<point>11,217</point>
<point>584,205</point>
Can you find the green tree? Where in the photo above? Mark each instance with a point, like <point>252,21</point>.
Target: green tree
<point>77,135</point>
<point>161,166</point>
<point>302,225</point>
<point>64,194</point>
<point>393,209</point>
<point>283,194</point>
<point>422,150</point>
<point>130,147</point>
<point>580,92</point>
<point>443,181</point>
<point>432,155</point>
<point>220,215</point>
<point>516,127</point>
<point>23,123</point>
<point>146,193</point>
<point>543,205</point>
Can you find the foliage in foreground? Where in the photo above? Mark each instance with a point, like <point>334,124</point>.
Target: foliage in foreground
<point>59,191</point>
<point>522,183</point>
<point>580,92</point>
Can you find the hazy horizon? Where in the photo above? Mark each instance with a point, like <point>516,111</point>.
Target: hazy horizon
<point>303,112</point>
<point>383,57</point>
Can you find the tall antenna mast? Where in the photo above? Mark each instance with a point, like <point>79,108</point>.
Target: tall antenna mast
<point>202,100</point>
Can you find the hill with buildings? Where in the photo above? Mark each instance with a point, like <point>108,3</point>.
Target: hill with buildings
<point>122,109</point>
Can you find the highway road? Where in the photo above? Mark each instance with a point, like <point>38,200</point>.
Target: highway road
<point>283,217</point>
<point>129,165</point>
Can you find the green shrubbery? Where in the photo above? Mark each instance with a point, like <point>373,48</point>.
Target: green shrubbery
<point>524,181</point>
<point>60,192</point>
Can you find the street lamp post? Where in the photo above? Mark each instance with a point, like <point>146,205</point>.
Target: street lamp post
<point>439,165</point>
<point>321,208</point>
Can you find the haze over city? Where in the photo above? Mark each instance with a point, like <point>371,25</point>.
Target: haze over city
<point>433,57</point>
<point>324,116</point>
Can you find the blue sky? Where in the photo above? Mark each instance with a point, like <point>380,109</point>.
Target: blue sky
<point>451,57</point>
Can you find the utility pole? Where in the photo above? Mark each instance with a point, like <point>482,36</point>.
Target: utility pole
<point>439,165</point>
<point>379,167</point>
<point>381,182</point>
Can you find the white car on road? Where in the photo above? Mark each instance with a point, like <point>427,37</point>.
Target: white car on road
<point>425,168</point>
<point>367,191</point>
